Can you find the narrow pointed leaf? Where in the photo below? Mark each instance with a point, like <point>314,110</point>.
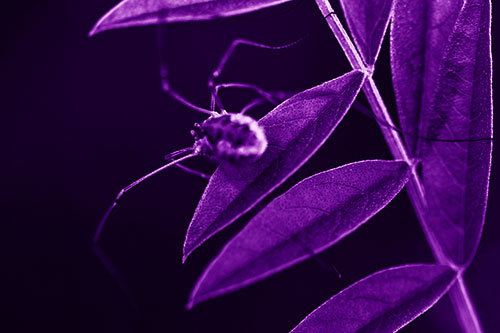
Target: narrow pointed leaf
<point>132,13</point>
<point>456,174</point>
<point>367,21</point>
<point>419,34</point>
<point>313,215</point>
<point>382,302</point>
<point>295,129</point>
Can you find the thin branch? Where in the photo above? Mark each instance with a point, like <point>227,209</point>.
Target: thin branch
<point>464,308</point>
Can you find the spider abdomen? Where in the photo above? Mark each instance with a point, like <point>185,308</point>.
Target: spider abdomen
<point>230,137</point>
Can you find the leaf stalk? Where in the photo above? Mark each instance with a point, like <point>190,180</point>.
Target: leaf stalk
<point>461,300</point>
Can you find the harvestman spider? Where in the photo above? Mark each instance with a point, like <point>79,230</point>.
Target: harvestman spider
<point>233,137</point>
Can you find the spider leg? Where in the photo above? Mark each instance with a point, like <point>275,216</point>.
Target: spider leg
<point>241,41</point>
<point>270,97</point>
<point>170,157</point>
<point>189,170</point>
<point>139,324</point>
<point>165,84</point>
<point>256,102</point>
<point>124,190</point>
<point>105,260</point>
<point>222,63</point>
<point>193,172</point>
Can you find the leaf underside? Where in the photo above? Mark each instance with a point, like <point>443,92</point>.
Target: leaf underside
<point>382,302</point>
<point>456,175</point>
<point>295,130</point>
<point>419,34</point>
<point>441,66</point>
<point>313,215</point>
<point>367,21</point>
<point>132,13</point>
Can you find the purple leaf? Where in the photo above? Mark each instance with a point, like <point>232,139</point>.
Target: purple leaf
<point>132,13</point>
<point>456,174</point>
<point>382,302</point>
<point>367,21</point>
<point>419,35</point>
<point>313,215</point>
<point>295,129</point>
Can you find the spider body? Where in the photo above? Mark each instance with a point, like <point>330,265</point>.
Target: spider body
<point>223,137</point>
<point>232,137</point>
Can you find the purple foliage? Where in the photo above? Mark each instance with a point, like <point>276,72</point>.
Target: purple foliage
<point>382,302</point>
<point>368,21</point>
<point>132,13</point>
<point>441,70</point>
<point>419,32</point>
<point>295,130</point>
<point>444,87</point>
<point>310,217</point>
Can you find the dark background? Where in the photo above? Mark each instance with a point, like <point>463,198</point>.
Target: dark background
<point>84,117</point>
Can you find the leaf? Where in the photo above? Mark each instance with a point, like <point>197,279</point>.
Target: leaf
<point>382,302</point>
<point>419,35</point>
<point>367,21</point>
<point>132,13</point>
<point>295,130</point>
<point>310,217</point>
<point>456,175</point>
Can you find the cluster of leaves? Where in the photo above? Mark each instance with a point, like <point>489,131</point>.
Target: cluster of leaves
<point>441,68</point>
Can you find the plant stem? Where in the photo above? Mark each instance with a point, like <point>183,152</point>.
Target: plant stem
<point>392,137</point>
<point>462,303</point>
<point>464,307</point>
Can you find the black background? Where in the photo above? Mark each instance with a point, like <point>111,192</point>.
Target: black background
<point>84,117</point>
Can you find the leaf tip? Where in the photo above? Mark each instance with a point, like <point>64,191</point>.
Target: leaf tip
<point>191,243</point>
<point>94,31</point>
<point>186,251</point>
<point>190,304</point>
<point>99,26</point>
<point>105,22</point>
<point>193,297</point>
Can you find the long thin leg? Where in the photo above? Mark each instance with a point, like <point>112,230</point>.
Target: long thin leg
<point>139,325</point>
<point>193,171</point>
<point>256,102</point>
<point>127,188</point>
<point>266,95</point>
<point>229,52</point>
<point>101,255</point>
<point>171,157</point>
<point>272,97</point>
<point>165,85</point>
<point>189,170</point>
<point>241,41</point>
